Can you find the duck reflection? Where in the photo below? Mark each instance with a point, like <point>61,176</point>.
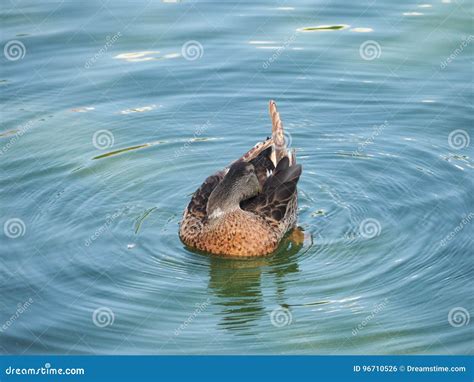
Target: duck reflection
<point>237,284</point>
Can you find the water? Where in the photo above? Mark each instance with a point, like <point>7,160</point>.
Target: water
<point>96,265</point>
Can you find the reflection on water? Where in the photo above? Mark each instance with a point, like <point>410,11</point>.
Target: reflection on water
<point>237,284</point>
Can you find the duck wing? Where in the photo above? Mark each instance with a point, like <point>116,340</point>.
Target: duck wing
<point>277,201</point>
<point>197,207</point>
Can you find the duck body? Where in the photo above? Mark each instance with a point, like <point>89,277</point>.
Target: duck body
<point>245,209</point>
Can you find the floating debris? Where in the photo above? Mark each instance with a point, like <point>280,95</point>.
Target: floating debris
<point>424,6</point>
<point>112,153</point>
<point>412,14</point>
<point>147,55</point>
<point>270,47</point>
<point>362,30</point>
<point>318,213</point>
<point>131,246</point>
<point>9,133</point>
<point>139,221</point>
<point>138,56</point>
<point>259,42</point>
<point>323,28</point>
<point>306,304</point>
<point>140,109</point>
<point>464,159</point>
<point>82,109</point>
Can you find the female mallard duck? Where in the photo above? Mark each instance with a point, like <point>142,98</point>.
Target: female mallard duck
<point>246,208</point>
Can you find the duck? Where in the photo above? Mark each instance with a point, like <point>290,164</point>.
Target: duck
<point>246,208</point>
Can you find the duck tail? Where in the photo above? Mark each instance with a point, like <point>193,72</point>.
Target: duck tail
<point>278,136</point>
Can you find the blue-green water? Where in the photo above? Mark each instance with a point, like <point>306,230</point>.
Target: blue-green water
<point>380,112</point>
